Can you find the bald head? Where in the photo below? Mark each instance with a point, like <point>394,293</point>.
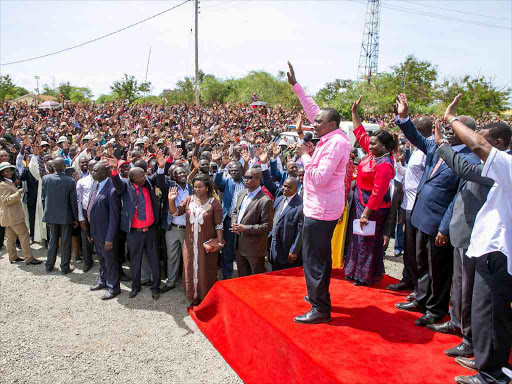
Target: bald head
<point>468,121</point>
<point>59,164</point>
<point>137,176</point>
<point>424,125</point>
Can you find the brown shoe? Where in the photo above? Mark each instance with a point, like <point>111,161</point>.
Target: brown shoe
<point>466,363</point>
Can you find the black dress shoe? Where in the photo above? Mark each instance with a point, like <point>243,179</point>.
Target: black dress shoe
<point>401,286</point>
<point>133,293</point>
<point>306,299</point>
<point>447,327</point>
<point>66,271</point>
<point>313,317</point>
<point>97,287</point>
<point>358,283</point>
<point>167,288</point>
<point>467,380</point>
<point>427,319</point>
<point>49,269</point>
<point>350,278</point>
<point>148,283</point>
<point>87,267</point>
<point>466,363</point>
<point>155,295</point>
<point>411,297</point>
<point>16,260</point>
<point>463,350</point>
<point>109,295</point>
<point>34,262</point>
<point>410,307</point>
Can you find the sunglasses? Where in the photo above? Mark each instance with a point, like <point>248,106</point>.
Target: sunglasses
<point>250,177</point>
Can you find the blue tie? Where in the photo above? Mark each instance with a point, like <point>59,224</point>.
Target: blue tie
<point>141,205</point>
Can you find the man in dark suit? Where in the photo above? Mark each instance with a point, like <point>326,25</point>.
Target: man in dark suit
<point>252,222</point>
<point>30,195</point>
<point>139,218</point>
<point>60,213</point>
<point>103,223</point>
<point>471,197</point>
<point>286,242</point>
<point>431,216</point>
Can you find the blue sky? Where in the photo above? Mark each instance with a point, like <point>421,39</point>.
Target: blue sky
<point>321,38</point>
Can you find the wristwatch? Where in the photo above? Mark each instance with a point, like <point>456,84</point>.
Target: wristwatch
<point>453,119</point>
<point>443,142</point>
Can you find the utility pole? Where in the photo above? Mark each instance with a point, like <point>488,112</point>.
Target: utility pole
<point>197,54</point>
<point>37,79</point>
<point>147,69</point>
<point>369,56</point>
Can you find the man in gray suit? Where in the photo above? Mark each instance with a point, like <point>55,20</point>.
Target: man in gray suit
<point>60,213</point>
<point>471,197</point>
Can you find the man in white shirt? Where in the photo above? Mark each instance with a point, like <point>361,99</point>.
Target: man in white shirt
<point>83,190</point>
<point>491,245</point>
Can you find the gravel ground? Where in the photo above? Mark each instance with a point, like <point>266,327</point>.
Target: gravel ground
<point>54,330</point>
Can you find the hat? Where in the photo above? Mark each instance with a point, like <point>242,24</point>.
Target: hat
<point>63,123</point>
<point>87,137</point>
<point>145,139</point>
<point>282,142</point>
<point>139,141</point>
<point>120,163</point>
<point>161,141</point>
<point>6,165</point>
<point>62,139</point>
<point>44,143</point>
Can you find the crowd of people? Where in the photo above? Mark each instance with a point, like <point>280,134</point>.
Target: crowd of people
<point>153,191</point>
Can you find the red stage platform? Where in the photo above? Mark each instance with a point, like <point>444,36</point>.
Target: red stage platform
<point>250,322</point>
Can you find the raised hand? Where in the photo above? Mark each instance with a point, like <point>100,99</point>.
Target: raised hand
<point>161,160</point>
<point>195,162</point>
<point>298,125</point>
<point>275,150</point>
<point>291,75</point>
<point>216,155</point>
<point>225,158</point>
<point>356,104</point>
<point>263,156</point>
<point>173,194</point>
<point>452,108</point>
<point>112,163</point>
<point>438,133</point>
<point>402,106</point>
<point>245,155</point>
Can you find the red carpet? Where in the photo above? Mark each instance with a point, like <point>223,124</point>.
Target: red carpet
<point>250,322</point>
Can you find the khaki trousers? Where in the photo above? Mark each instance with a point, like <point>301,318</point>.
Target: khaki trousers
<point>18,231</point>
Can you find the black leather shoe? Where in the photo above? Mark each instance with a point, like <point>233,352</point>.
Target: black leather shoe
<point>87,267</point>
<point>16,260</point>
<point>467,380</point>
<point>410,297</point>
<point>66,271</point>
<point>133,293</point>
<point>109,295</point>
<point>447,327</point>
<point>313,317</point>
<point>466,363</point>
<point>306,299</point>
<point>34,262</point>
<point>155,295</point>
<point>410,307</point>
<point>426,319</point>
<point>166,288</point>
<point>349,278</point>
<point>401,286</point>
<point>463,350</point>
<point>49,269</point>
<point>97,287</point>
<point>358,283</point>
<point>148,283</point>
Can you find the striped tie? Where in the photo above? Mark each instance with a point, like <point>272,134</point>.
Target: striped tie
<point>91,199</point>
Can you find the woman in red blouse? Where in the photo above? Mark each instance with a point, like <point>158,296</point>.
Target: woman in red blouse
<point>364,255</point>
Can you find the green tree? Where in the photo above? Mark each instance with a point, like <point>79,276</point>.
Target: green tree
<point>105,99</point>
<point>129,89</point>
<point>8,90</point>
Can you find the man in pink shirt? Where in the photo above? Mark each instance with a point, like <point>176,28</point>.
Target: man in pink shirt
<point>324,201</point>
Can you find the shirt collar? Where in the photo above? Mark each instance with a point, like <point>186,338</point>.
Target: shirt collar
<point>290,198</point>
<point>102,183</point>
<point>324,138</point>
<point>253,193</point>
<point>458,148</point>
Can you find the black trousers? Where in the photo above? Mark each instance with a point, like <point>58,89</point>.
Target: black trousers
<point>87,248</point>
<point>435,265</point>
<point>120,250</point>
<point>410,272</point>
<point>228,252</point>
<point>491,317</point>
<point>316,256</point>
<point>138,242</point>
<point>109,268</point>
<point>57,230</point>
<point>32,218</point>
<point>462,292</point>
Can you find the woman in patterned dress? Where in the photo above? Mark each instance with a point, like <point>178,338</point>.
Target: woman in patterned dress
<point>204,222</point>
<point>364,255</point>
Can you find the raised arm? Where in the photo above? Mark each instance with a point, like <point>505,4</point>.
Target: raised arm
<point>307,102</point>
<point>406,125</point>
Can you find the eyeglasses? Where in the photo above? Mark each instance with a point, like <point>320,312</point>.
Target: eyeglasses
<point>250,177</point>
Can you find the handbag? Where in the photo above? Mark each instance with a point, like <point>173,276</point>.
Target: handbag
<point>212,246</point>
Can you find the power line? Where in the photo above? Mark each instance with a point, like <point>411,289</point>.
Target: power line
<point>228,7</point>
<point>98,38</point>
<point>456,10</point>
